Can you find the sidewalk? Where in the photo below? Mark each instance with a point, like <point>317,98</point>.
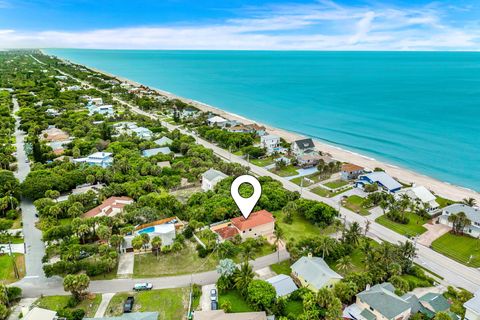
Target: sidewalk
<point>102,308</point>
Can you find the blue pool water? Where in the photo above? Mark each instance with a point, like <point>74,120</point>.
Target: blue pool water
<point>419,110</point>
<point>146,230</point>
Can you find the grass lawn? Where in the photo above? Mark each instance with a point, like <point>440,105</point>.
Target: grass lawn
<point>56,303</point>
<point>282,267</point>
<point>315,177</point>
<point>443,202</point>
<point>7,275</point>
<point>169,303</point>
<point>356,257</point>
<point>299,228</point>
<point>355,203</point>
<point>287,171</point>
<point>262,162</point>
<point>306,183</point>
<point>183,262</point>
<point>264,250</point>
<point>335,184</point>
<point>413,228</point>
<point>236,301</point>
<point>459,248</point>
<point>322,192</point>
<point>17,223</point>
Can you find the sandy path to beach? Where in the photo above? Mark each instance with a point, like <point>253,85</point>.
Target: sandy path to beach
<point>438,187</point>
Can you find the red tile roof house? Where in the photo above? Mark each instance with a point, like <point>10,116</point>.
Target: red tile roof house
<point>351,171</point>
<point>110,207</point>
<point>258,224</point>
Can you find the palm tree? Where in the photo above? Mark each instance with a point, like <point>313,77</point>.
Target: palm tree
<point>156,244</point>
<point>353,234</point>
<point>344,264</point>
<point>243,276</point>
<point>325,244</point>
<point>469,202</point>
<point>278,233</point>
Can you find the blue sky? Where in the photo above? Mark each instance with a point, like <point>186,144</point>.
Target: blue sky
<point>242,24</point>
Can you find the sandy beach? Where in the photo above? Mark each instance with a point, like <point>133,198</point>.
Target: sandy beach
<point>438,187</point>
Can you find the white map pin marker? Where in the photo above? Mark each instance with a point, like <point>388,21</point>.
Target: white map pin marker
<point>246,205</point>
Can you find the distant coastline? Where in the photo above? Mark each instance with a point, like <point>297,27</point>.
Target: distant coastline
<point>441,188</point>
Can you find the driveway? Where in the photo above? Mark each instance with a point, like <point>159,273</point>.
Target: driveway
<point>352,192</point>
<point>434,231</point>
<point>303,172</point>
<point>126,262</point>
<point>205,302</point>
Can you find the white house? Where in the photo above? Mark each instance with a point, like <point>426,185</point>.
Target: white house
<point>473,214</point>
<point>314,273</point>
<point>270,142</point>
<point>210,178</point>
<point>131,128</point>
<point>422,195</point>
<point>217,121</point>
<point>472,307</point>
<point>302,146</point>
<point>106,109</point>
<point>95,101</point>
<point>102,159</point>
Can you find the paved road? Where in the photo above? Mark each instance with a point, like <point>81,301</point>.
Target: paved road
<point>454,273</point>
<point>32,236</point>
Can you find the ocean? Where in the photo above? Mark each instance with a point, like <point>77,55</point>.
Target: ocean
<point>418,110</point>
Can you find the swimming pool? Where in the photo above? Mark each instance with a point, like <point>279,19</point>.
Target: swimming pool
<point>146,230</point>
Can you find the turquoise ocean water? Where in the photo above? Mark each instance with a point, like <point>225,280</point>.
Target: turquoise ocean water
<point>419,110</point>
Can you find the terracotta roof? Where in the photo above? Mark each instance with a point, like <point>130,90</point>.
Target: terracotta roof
<point>254,220</point>
<point>108,204</point>
<point>227,232</point>
<point>349,167</point>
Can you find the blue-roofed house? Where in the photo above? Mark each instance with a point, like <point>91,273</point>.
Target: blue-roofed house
<point>314,273</point>
<point>101,159</point>
<point>155,151</point>
<point>283,285</point>
<point>381,179</point>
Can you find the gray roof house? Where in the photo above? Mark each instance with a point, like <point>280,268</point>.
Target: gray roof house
<point>283,285</point>
<point>210,178</point>
<point>302,146</point>
<point>155,151</point>
<point>130,316</point>
<point>381,302</point>
<point>473,214</point>
<point>314,273</point>
<point>163,141</point>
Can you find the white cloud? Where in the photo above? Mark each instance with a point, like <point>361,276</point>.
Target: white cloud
<point>322,25</point>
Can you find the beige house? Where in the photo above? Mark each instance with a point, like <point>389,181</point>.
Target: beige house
<point>110,207</point>
<point>314,273</point>
<point>258,224</point>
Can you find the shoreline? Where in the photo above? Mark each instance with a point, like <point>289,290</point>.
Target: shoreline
<point>440,188</point>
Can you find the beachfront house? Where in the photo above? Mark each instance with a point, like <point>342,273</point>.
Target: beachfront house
<point>381,178</point>
<point>102,159</point>
<point>217,121</point>
<point>379,302</point>
<point>210,178</point>
<point>303,146</point>
<point>283,285</point>
<point>153,152</point>
<point>473,214</point>
<point>189,112</point>
<point>308,160</point>
<point>110,207</point>
<point>258,224</point>
<point>422,196</point>
<point>314,273</point>
<point>164,141</point>
<point>350,171</point>
<point>472,307</point>
<point>270,142</point>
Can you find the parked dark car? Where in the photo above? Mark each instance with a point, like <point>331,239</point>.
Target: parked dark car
<point>214,305</point>
<point>128,305</point>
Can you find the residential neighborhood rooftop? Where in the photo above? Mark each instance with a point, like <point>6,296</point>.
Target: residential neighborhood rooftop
<point>255,219</point>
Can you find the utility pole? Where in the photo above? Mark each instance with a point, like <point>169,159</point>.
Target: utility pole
<point>301,187</point>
